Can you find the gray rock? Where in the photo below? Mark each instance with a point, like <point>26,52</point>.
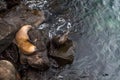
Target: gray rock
<point>21,15</point>
<point>7,33</point>
<point>58,7</point>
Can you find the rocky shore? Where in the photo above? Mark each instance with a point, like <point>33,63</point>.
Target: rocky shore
<point>54,54</point>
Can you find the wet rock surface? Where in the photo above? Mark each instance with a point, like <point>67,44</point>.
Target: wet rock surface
<point>12,3</point>
<point>39,60</point>
<point>6,5</point>
<point>14,19</point>
<point>58,7</point>
<point>7,32</point>
<point>22,15</point>
<point>11,54</point>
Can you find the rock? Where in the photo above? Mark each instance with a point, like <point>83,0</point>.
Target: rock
<point>58,7</point>
<point>33,75</point>
<point>11,54</point>
<point>3,5</point>
<point>39,38</point>
<point>8,71</point>
<point>38,59</point>
<point>21,15</point>
<point>6,5</point>
<point>6,34</point>
<point>14,19</point>
<point>12,3</point>
<point>63,53</point>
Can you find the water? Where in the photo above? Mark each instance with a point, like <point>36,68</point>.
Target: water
<point>95,28</point>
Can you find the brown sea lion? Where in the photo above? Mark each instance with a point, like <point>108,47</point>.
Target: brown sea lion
<point>35,56</point>
<point>23,42</point>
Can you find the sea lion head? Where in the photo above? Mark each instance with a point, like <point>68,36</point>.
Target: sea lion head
<point>26,28</point>
<point>22,33</point>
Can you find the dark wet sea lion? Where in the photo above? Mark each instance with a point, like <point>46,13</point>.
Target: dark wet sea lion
<point>60,39</point>
<point>61,48</point>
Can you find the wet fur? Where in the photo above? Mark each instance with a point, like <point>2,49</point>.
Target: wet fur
<point>23,42</point>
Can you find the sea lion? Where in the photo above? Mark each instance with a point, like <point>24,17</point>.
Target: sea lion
<point>30,53</point>
<point>61,48</point>
<point>8,71</point>
<point>23,42</point>
<point>60,39</point>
